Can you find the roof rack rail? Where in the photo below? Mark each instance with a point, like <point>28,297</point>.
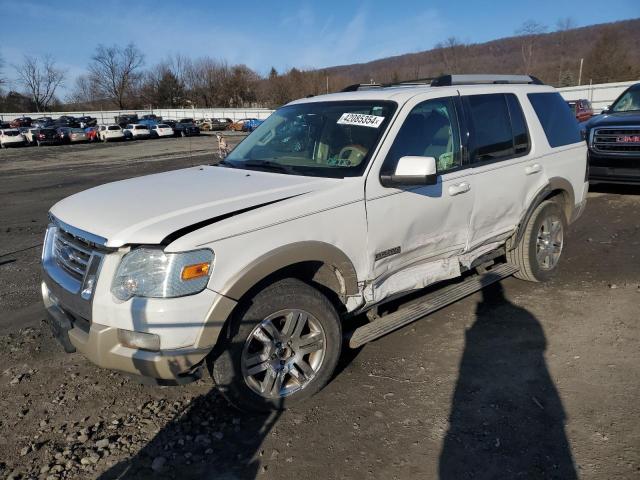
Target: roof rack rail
<point>475,79</point>
<point>360,86</point>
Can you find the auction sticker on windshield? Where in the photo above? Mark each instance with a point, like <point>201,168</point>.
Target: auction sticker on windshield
<point>361,119</point>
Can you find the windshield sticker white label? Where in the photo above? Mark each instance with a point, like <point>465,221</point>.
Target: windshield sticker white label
<point>361,119</point>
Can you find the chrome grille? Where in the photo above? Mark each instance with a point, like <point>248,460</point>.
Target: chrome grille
<point>72,254</point>
<point>617,140</point>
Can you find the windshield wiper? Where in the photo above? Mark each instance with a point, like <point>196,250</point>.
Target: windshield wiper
<point>268,165</point>
<point>226,163</point>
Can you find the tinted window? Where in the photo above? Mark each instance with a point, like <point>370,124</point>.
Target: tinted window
<point>555,116</point>
<point>430,130</point>
<point>491,126</point>
<point>518,125</point>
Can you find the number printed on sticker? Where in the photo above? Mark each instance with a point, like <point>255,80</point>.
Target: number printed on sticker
<point>361,119</point>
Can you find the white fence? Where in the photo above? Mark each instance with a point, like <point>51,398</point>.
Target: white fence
<point>168,114</point>
<point>600,95</point>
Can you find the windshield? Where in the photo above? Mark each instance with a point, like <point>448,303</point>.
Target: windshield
<point>324,139</point>
<point>628,102</point>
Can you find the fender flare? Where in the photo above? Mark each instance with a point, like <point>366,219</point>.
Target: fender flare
<point>556,184</point>
<point>287,255</point>
<point>267,264</point>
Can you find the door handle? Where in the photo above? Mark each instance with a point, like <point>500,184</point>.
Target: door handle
<point>535,168</point>
<point>459,188</point>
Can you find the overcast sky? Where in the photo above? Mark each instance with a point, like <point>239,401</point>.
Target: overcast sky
<point>285,34</point>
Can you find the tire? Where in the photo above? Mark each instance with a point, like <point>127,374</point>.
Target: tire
<point>249,359</point>
<point>182,133</point>
<point>539,250</point>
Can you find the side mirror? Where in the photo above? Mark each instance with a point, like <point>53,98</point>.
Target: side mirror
<point>605,109</point>
<point>410,171</point>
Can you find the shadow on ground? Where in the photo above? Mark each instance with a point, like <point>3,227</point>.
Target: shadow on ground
<point>507,419</point>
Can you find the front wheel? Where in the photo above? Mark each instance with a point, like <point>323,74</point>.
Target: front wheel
<point>539,250</point>
<point>280,347</point>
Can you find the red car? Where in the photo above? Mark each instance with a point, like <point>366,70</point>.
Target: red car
<point>21,122</point>
<point>582,109</point>
<point>92,134</point>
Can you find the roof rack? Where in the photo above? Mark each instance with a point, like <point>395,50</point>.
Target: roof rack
<point>360,86</point>
<point>474,79</point>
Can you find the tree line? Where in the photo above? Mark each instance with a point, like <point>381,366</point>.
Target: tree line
<point>118,77</point>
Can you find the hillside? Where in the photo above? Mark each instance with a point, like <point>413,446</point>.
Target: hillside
<point>609,50</point>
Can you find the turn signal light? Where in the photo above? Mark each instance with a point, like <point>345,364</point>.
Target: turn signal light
<point>195,271</point>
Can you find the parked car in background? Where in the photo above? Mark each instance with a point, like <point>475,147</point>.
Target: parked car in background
<point>186,129</point>
<point>245,125</point>
<point>171,123</point>
<point>4,125</point>
<point>87,121</point>
<point>251,124</point>
<point>42,122</point>
<point>152,117</point>
<point>581,109</point>
<point>161,130</point>
<point>66,121</point>
<point>11,137</point>
<point>614,140</point>
<point>71,135</point>
<point>136,131</point>
<point>20,122</point>
<point>215,124</point>
<point>124,120</point>
<point>92,134</point>
<point>107,133</point>
<point>186,120</point>
<point>47,136</point>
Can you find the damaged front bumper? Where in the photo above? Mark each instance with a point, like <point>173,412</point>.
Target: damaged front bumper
<point>100,344</point>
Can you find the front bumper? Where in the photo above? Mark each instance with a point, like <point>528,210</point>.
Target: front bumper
<point>99,344</point>
<point>614,169</point>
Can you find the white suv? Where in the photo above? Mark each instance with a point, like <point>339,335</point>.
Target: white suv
<point>111,132</point>
<point>335,205</point>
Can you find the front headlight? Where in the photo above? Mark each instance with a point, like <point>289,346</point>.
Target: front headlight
<point>152,273</point>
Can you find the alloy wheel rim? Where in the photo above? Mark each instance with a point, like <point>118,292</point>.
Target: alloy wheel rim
<point>283,354</point>
<point>549,242</point>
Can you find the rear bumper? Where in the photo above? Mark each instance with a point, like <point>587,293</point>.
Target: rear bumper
<point>99,344</point>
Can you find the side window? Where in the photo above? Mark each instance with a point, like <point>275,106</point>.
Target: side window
<point>518,125</point>
<point>491,127</point>
<point>555,116</point>
<point>430,130</point>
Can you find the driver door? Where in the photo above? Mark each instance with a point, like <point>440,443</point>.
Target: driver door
<point>416,234</point>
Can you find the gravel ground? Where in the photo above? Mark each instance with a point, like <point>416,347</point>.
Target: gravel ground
<point>519,381</point>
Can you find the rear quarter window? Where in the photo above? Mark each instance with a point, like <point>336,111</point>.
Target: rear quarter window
<point>557,120</point>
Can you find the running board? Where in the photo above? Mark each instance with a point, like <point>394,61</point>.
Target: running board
<point>433,302</point>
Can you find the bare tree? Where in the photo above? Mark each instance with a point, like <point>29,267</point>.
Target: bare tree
<point>2,79</point>
<point>40,78</point>
<point>451,50</point>
<point>529,31</point>
<point>115,71</point>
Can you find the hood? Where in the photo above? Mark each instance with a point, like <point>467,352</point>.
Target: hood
<point>617,119</point>
<point>151,209</point>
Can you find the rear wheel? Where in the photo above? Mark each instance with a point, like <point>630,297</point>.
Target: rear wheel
<point>539,250</point>
<point>280,347</point>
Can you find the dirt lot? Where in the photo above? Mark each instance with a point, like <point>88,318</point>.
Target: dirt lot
<point>520,381</point>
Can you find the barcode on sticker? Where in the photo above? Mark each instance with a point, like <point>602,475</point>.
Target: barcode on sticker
<point>361,119</point>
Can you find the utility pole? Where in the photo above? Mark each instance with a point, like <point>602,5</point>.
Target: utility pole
<point>580,72</point>
<point>327,83</point>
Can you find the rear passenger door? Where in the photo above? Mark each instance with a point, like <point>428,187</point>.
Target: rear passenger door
<point>504,175</point>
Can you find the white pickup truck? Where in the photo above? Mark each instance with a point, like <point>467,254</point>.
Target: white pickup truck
<point>336,204</point>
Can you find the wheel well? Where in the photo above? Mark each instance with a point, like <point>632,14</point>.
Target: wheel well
<point>563,199</point>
